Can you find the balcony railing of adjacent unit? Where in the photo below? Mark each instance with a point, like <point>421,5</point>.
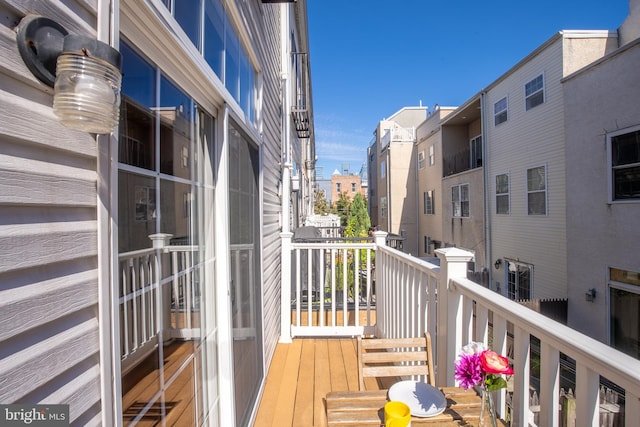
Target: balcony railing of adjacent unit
<point>461,161</point>
<point>398,135</point>
<point>404,296</point>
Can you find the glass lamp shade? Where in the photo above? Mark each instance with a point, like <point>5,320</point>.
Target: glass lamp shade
<point>87,87</point>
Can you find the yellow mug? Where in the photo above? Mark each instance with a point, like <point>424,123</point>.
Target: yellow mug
<point>397,414</point>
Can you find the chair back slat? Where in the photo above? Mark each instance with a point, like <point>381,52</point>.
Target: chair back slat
<point>395,357</point>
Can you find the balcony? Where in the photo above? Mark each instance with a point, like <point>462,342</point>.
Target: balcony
<point>340,289</point>
<point>403,296</point>
<point>398,135</point>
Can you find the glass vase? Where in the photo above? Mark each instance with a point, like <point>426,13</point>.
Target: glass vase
<point>487,411</point>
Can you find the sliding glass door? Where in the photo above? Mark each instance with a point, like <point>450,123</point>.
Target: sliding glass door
<point>244,217</point>
<point>167,300</point>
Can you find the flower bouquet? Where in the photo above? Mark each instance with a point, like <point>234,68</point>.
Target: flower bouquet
<point>477,365</point>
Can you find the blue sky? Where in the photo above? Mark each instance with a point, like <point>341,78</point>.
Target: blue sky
<point>371,58</point>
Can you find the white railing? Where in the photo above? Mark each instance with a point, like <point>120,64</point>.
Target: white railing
<point>413,296</point>
<point>407,285</point>
<point>331,288</point>
<point>398,135</point>
<point>159,299</point>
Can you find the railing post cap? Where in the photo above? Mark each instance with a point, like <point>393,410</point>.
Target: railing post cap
<point>454,254</point>
<point>286,234</point>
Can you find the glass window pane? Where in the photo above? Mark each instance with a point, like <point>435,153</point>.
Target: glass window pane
<point>187,13</point>
<point>536,179</point>
<point>214,35</point>
<point>502,183</point>
<point>626,183</point>
<point>137,120</point>
<point>245,270</point>
<point>176,124</point>
<point>137,211</point>
<point>625,149</point>
<point>625,321</point>
<point>502,204</point>
<point>537,203</point>
<point>246,85</point>
<point>232,63</point>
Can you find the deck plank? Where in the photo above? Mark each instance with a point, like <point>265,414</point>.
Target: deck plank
<point>337,371</point>
<point>299,378</point>
<point>322,382</point>
<point>286,400</point>
<point>303,414</point>
<point>266,411</point>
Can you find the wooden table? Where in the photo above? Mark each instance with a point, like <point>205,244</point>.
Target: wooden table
<point>366,408</point>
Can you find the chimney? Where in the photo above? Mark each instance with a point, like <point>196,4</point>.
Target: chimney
<point>630,28</point>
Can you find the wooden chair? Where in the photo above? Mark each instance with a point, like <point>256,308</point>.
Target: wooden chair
<point>395,357</point>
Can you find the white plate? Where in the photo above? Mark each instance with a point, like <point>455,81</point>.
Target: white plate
<point>424,399</point>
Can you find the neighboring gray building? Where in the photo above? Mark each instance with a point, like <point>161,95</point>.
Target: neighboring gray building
<point>602,122</point>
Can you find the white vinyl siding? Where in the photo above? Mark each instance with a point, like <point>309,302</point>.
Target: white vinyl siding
<point>532,138</point>
<point>49,295</point>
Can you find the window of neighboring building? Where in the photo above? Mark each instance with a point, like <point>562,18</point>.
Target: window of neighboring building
<point>427,245</point>
<point>625,164</point>
<point>460,200</point>
<point>534,92</point>
<point>475,150</point>
<point>338,187</point>
<point>429,202</point>
<point>537,191</point>
<point>502,194</point>
<point>383,207</point>
<point>432,155</point>
<point>519,280</point>
<point>353,187</point>
<point>383,169</point>
<point>500,111</point>
<point>624,311</point>
<point>421,160</point>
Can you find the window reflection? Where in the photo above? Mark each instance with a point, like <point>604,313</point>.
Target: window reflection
<point>220,47</point>
<point>167,335</point>
<point>186,13</point>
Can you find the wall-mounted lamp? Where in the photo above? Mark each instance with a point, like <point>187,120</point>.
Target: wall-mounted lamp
<point>590,295</point>
<point>84,72</point>
<point>498,263</point>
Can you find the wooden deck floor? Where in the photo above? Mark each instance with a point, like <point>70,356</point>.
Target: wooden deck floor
<point>301,375</point>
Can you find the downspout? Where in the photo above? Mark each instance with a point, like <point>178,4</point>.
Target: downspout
<point>418,202</point>
<point>286,165</point>
<point>388,185</point>
<point>107,30</point>
<point>487,193</point>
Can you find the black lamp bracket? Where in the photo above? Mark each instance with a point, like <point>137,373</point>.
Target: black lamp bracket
<point>40,41</point>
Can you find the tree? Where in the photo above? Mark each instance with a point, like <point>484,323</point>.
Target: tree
<point>321,205</point>
<point>358,221</point>
<point>342,208</point>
